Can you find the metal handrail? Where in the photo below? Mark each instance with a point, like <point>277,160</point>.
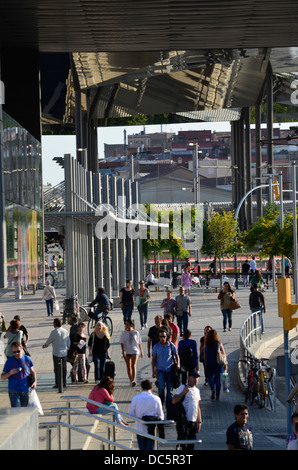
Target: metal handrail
<point>251,332</point>
<point>68,409</point>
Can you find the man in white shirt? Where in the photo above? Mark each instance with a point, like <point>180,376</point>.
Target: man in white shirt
<point>191,397</point>
<point>150,279</point>
<point>253,265</point>
<point>60,341</point>
<point>146,404</point>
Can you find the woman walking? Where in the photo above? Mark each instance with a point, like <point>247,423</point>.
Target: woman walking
<point>202,351</point>
<point>142,299</point>
<point>127,300</point>
<point>80,357</point>
<point>49,295</point>
<point>212,344</point>
<point>186,280</point>
<point>225,296</point>
<point>131,345</point>
<point>12,335</point>
<point>99,343</point>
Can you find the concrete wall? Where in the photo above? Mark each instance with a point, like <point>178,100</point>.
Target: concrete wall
<point>19,429</point>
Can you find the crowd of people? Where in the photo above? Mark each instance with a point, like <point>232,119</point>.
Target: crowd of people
<point>174,353</point>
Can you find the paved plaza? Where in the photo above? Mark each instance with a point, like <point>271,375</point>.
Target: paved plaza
<point>269,428</point>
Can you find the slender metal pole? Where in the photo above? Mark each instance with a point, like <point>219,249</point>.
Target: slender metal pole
<point>281,215</point>
<point>295,230</point>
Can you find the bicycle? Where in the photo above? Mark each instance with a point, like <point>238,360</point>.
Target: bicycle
<point>259,382</point>
<point>265,388</point>
<point>104,318</point>
<point>252,381</point>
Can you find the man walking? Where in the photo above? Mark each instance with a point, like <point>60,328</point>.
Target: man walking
<point>17,370</point>
<point>60,341</point>
<point>257,303</point>
<point>164,357</point>
<point>182,310</point>
<point>245,273</point>
<point>190,396</point>
<point>146,405</point>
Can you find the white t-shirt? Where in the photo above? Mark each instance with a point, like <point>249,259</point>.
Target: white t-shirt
<point>131,341</point>
<point>190,402</point>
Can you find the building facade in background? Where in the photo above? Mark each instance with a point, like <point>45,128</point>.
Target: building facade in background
<point>23,203</point>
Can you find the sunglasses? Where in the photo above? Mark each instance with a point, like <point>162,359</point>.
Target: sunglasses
<point>16,352</point>
<point>162,336</point>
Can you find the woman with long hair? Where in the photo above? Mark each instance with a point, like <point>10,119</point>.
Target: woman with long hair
<point>131,345</point>
<point>212,344</point>
<point>99,343</point>
<point>202,349</point>
<point>103,393</point>
<point>225,296</point>
<point>12,335</point>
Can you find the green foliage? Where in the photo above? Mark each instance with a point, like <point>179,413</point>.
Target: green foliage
<point>219,234</point>
<point>172,243</point>
<point>266,231</point>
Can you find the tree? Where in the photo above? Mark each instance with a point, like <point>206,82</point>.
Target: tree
<point>219,235</point>
<point>267,232</point>
<point>172,243</point>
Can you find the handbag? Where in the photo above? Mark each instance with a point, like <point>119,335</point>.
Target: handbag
<point>221,358</point>
<point>234,304</point>
<point>137,301</point>
<point>56,305</point>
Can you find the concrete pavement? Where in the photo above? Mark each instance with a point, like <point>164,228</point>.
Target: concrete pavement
<point>269,428</point>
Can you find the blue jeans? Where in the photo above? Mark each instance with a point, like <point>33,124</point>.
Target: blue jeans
<point>99,365</point>
<point>127,312</point>
<point>145,443</point>
<point>182,321</point>
<point>143,311</point>
<point>50,306</point>
<point>164,380</point>
<point>18,398</point>
<point>227,316</point>
<point>114,407</point>
<point>214,379</point>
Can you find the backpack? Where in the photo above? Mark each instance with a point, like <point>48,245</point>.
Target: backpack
<point>176,412</point>
<point>187,355</point>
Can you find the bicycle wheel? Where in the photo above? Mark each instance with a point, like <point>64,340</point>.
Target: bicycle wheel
<point>83,314</point>
<point>254,390</point>
<point>108,322</point>
<point>51,279</point>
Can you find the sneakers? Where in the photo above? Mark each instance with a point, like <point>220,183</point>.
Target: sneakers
<point>133,383</point>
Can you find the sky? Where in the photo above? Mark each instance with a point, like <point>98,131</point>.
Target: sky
<point>57,146</point>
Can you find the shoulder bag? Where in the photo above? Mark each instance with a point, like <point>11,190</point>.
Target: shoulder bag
<point>221,358</point>
<point>234,304</point>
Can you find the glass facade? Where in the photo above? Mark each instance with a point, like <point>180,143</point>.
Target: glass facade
<point>22,166</point>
